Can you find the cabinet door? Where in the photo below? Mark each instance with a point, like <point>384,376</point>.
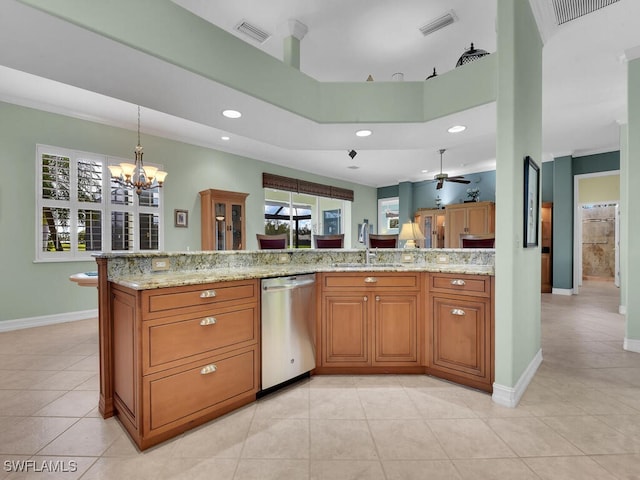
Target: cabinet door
<point>456,224</point>
<point>477,220</point>
<point>345,330</point>
<point>460,334</point>
<point>395,330</point>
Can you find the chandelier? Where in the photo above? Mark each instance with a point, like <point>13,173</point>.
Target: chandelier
<point>138,176</point>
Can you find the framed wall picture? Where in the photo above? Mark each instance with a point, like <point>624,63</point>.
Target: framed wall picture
<point>531,202</point>
<point>181,218</point>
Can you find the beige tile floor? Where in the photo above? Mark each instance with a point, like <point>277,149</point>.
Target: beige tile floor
<point>579,419</point>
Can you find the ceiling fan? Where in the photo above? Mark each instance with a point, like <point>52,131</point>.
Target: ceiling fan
<point>442,177</point>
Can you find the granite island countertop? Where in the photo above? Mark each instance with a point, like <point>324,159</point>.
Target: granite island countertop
<point>152,280</point>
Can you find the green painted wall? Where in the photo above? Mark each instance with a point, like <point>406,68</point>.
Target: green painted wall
<point>546,181</point>
<point>200,47</point>
<point>389,191</point>
<point>562,223</point>
<point>405,208</point>
<point>424,193</point>
<point>624,216</point>
<point>519,133</point>
<point>599,162</point>
<point>631,176</point>
<point>190,168</point>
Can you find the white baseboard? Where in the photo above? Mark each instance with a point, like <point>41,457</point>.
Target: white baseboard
<point>510,396</point>
<point>562,291</point>
<point>20,323</point>
<point>622,309</point>
<point>631,345</point>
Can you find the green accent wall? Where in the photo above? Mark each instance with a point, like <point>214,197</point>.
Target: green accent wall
<point>389,191</point>
<point>562,223</point>
<point>190,168</point>
<point>546,181</point>
<point>600,162</point>
<point>519,133</point>
<point>405,208</point>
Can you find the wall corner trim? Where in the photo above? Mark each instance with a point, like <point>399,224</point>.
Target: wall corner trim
<point>510,396</point>
<point>20,323</point>
<point>562,291</point>
<point>631,345</point>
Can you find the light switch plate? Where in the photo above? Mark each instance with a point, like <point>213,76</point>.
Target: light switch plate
<point>442,259</point>
<point>160,264</point>
<point>407,258</point>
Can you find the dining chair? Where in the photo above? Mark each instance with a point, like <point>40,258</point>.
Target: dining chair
<point>271,242</point>
<point>478,240</point>
<point>383,241</point>
<point>329,241</point>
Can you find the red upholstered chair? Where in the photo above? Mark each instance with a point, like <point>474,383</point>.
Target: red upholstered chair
<point>485,240</point>
<point>383,241</point>
<point>266,242</point>
<point>329,241</point>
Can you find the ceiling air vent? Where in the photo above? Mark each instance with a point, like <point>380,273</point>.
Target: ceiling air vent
<point>438,23</point>
<point>567,10</point>
<point>252,31</point>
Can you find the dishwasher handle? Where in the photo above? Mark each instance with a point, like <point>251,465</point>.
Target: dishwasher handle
<point>288,286</point>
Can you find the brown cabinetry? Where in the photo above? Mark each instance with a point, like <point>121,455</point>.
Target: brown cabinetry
<point>222,220</point>
<point>185,355</point>
<point>461,329</point>
<point>432,223</point>
<point>472,218</point>
<point>369,320</point>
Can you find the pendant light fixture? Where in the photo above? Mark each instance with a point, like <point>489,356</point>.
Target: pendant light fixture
<point>471,55</point>
<point>137,176</point>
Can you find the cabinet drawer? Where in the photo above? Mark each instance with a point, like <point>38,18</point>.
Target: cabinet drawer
<point>198,388</point>
<point>474,285</point>
<point>156,303</point>
<point>369,280</point>
<point>168,343</point>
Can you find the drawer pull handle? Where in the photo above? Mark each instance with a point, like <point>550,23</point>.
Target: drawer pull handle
<point>370,280</point>
<point>458,281</point>
<point>208,321</point>
<point>366,299</point>
<point>458,311</point>
<point>208,369</point>
<point>208,294</point>
<point>377,298</point>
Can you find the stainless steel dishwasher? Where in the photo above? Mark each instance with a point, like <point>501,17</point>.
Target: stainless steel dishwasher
<point>288,328</point>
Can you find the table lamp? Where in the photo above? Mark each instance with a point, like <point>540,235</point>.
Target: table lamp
<point>410,232</point>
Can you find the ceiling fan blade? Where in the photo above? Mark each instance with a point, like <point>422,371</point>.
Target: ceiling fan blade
<point>458,180</point>
<point>440,183</point>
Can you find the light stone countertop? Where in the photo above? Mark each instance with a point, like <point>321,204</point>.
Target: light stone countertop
<point>154,280</point>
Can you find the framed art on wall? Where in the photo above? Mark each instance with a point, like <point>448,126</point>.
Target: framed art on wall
<point>181,218</point>
<point>531,202</point>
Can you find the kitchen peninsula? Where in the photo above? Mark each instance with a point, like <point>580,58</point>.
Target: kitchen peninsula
<point>180,332</point>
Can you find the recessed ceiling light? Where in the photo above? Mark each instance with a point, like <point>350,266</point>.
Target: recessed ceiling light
<point>225,138</point>
<point>363,133</point>
<point>231,113</point>
<point>353,167</point>
<point>457,129</point>
<point>425,171</point>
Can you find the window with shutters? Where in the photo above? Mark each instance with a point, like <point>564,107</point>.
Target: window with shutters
<point>81,211</point>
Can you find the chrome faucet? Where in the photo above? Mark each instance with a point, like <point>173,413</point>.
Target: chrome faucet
<point>364,234</point>
<point>364,238</point>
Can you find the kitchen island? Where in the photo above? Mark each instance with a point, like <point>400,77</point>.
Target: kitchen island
<point>180,332</point>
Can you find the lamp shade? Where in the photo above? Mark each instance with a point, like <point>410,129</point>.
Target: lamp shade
<point>410,232</point>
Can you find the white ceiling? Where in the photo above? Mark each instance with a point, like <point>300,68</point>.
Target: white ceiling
<point>76,72</point>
